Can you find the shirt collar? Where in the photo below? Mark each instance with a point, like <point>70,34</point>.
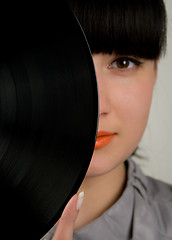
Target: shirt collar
<point>137,179</point>
<point>116,222</point>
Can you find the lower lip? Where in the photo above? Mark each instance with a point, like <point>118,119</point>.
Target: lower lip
<point>103,141</point>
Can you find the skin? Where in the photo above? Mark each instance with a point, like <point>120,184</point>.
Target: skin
<point>125,92</point>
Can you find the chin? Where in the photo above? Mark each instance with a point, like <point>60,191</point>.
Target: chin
<point>101,164</point>
<point>106,159</point>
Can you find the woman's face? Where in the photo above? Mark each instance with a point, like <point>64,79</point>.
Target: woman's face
<point>125,87</point>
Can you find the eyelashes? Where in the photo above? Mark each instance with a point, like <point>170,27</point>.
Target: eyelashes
<point>125,63</point>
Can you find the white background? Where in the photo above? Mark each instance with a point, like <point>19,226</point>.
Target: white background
<point>155,149</point>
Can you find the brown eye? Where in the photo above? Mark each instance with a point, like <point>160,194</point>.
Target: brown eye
<point>123,63</point>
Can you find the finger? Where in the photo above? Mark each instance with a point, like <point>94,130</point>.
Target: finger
<point>66,223</point>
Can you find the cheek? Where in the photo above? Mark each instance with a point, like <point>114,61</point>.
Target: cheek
<point>136,101</point>
<point>128,102</point>
<point>132,106</point>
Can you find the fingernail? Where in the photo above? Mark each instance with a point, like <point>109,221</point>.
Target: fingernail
<point>80,200</point>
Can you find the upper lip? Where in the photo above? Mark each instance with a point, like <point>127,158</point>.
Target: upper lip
<point>104,133</point>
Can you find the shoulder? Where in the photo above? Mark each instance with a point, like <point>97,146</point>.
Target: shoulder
<point>160,201</point>
<point>159,198</point>
<point>158,190</point>
<point>155,198</point>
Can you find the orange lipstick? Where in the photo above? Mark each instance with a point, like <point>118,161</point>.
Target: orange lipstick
<point>103,139</point>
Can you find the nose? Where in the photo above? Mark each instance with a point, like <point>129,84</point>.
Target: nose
<point>104,102</point>
<point>104,99</point>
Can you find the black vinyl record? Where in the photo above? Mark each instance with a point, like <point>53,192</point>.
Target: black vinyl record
<point>48,117</point>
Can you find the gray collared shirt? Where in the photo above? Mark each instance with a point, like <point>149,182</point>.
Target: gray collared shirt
<point>143,212</point>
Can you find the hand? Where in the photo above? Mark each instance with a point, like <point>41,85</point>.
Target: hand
<point>65,226</point>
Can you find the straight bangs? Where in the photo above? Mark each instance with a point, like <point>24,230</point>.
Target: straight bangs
<point>127,27</point>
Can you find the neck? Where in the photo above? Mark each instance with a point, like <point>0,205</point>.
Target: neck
<point>101,192</point>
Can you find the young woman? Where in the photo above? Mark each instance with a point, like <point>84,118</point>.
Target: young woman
<point>126,39</point>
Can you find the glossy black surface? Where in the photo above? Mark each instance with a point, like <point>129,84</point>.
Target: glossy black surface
<point>48,118</point>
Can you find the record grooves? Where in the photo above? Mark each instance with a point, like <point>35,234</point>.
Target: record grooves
<point>48,119</point>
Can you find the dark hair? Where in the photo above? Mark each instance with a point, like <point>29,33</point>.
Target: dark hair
<point>126,27</point>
